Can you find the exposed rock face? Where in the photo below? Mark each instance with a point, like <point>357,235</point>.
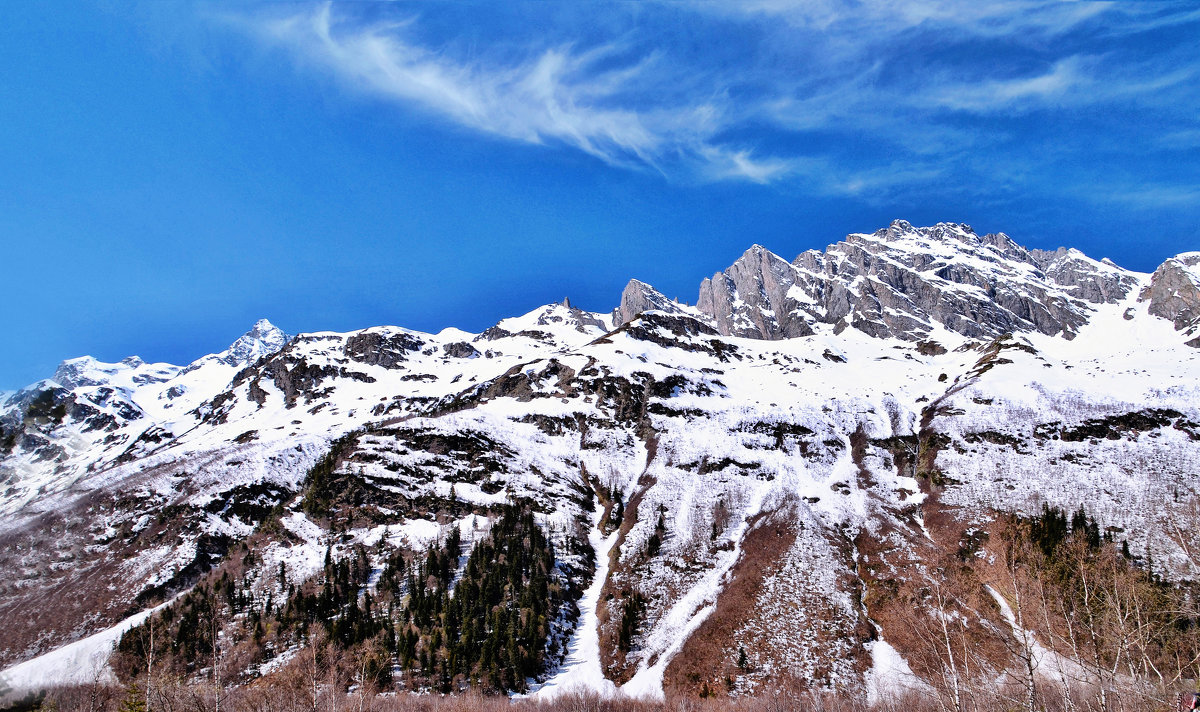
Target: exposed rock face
<point>376,348</point>
<point>460,349</point>
<point>1098,282</point>
<point>1174,290</point>
<point>755,298</point>
<point>638,297</point>
<point>902,280</point>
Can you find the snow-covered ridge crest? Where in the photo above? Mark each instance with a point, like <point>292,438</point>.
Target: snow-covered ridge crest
<point>129,372</point>
<point>91,414</point>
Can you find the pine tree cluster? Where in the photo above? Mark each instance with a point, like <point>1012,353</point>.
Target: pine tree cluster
<point>1050,529</point>
<point>490,629</point>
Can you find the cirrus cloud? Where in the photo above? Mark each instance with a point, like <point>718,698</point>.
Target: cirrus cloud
<point>555,95</point>
<point>837,97</point>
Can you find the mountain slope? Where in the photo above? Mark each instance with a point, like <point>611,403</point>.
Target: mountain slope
<point>776,470</point>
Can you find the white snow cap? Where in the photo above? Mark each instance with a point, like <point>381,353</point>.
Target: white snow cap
<point>262,339</point>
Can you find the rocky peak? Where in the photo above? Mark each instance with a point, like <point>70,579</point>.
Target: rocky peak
<point>902,280</point>
<point>947,274</point>
<point>945,240</point>
<point>754,298</point>
<point>903,230</point>
<point>1174,292</point>
<point>262,339</point>
<point>638,297</point>
<point>1099,282</point>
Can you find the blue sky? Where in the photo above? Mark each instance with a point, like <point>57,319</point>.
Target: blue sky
<point>170,172</point>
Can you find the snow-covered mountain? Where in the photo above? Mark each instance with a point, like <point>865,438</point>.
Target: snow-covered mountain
<point>90,415</point>
<point>754,472</point>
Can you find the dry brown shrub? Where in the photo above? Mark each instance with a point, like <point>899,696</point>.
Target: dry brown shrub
<point>97,697</point>
<point>702,660</point>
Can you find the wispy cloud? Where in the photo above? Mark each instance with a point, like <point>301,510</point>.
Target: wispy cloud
<point>843,97</point>
<point>1006,18</point>
<point>1006,94</point>
<point>555,94</point>
<point>552,96</point>
<point>1070,82</point>
<point>722,164</point>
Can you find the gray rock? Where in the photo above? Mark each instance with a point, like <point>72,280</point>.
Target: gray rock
<point>753,298</point>
<point>376,349</point>
<point>1173,292</point>
<point>638,297</point>
<point>1082,278</point>
<point>460,349</point>
<point>902,280</point>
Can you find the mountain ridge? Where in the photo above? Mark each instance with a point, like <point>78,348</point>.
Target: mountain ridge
<point>928,356</point>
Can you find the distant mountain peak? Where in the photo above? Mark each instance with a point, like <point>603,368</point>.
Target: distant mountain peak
<point>262,339</point>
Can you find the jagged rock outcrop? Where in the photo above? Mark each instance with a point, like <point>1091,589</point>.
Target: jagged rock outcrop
<point>903,280</point>
<point>755,298</point>
<point>460,349</point>
<point>376,348</point>
<point>1098,282</point>
<point>1174,291</point>
<point>638,297</point>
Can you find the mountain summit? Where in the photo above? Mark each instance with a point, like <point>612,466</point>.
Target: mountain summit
<point>263,338</point>
<point>906,282</point>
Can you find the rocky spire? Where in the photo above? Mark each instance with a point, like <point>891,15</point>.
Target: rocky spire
<point>638,297</point>
<point>753,298</point>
